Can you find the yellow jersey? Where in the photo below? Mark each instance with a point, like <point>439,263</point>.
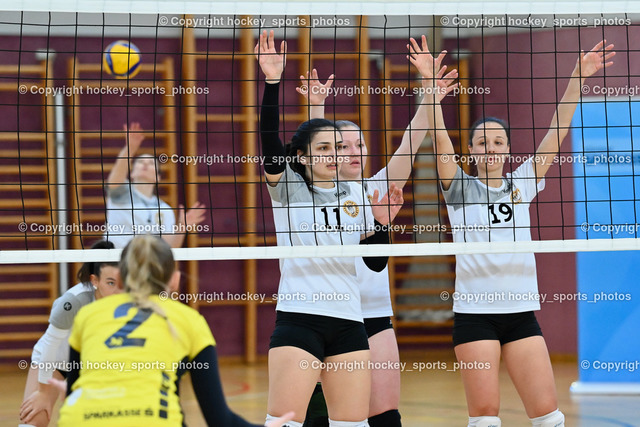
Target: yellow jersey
<point>131,361</point>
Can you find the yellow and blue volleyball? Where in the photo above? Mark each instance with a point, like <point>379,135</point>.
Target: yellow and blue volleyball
<point>122,59</point>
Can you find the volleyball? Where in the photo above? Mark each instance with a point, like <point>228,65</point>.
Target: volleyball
<point>122,59</point>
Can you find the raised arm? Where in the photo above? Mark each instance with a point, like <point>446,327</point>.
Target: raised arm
<point>400,165</point>
<point>315,93</point>
<point>185,222</point>
<point>272,65</point>
<point>586,65</point>
<point>428,67</point>
<point>120,170</point>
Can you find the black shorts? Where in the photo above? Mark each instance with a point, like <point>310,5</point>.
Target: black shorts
<point>322,336</point>
<point>375,325</point>
<point>501,327</point>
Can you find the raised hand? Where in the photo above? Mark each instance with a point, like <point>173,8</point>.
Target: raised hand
<point>445,83</point>
<point>312,89</point>
<point>597,58</point>
<point>134,137</point>
<point>194,215</point>
<point>421,58</point>
<point>271,62</point>
<point>386,209</point>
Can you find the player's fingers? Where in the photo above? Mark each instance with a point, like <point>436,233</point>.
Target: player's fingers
<point>27,415</point>
<point>330,81</point>
<point>425,46</point>
<point>598,46</point>
<point>271,41</point>
<point>414,45</point>
<point>376,194</point>
<point>451,75</point>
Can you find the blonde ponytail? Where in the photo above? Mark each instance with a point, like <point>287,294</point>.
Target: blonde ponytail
<point>146,267</point>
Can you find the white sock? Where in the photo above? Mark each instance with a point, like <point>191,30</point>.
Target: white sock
<point>363,423</point>
<point>552,419</point>
<point>287,424</point>
<point>484,422</point>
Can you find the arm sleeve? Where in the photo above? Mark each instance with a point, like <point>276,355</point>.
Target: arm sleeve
<point>64,310</point>
<point>208,390</point>
<point>272,148</point>
<point>74,373</point>
<point>51,341</point>
<point>381,236</point>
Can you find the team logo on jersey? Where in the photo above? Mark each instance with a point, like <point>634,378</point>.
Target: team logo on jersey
<point>351,208</point>
<point>516,197</point>
<point>67,306</point>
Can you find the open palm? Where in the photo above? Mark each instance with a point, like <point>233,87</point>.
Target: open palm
<point>596,59</point>
<point>271,62</point>
<point>312,89</point>
<point>445,83</point>
<point>421,58</point>
<point>386,209</point>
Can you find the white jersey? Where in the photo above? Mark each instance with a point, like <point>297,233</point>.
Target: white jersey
<point>130,213</point>
<point>494,283</point>
<point>374,287</point>
<point>53,347</point>
<point>335,216</point>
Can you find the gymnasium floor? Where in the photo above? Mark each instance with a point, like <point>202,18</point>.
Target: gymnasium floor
<point>429,398</point>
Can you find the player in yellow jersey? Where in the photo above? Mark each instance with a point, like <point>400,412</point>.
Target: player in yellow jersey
<point>129,351</point>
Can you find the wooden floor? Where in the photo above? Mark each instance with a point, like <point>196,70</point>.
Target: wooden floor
<point>429,398</point>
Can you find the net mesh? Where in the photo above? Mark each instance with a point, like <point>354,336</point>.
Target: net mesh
<point>197,94</point>
<point>196,98</point>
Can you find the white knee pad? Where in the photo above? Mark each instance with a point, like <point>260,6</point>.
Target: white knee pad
<point>552,419</point>
<point>484,422</point>
<point>287,424</point>
<point>363,423</point>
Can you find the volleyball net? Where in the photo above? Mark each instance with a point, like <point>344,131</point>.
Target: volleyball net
<point>196,96</point>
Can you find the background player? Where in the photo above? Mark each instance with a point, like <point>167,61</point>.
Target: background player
<point>375,288</point>
<point>136,202</point>
<point>485,331</point>
<point>96,280</point>
<point>304,192</point>
<point>154,340</point>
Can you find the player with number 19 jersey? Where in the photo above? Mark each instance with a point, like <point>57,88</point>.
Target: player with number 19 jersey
<point>494,283</point>
<point>131,362</point>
